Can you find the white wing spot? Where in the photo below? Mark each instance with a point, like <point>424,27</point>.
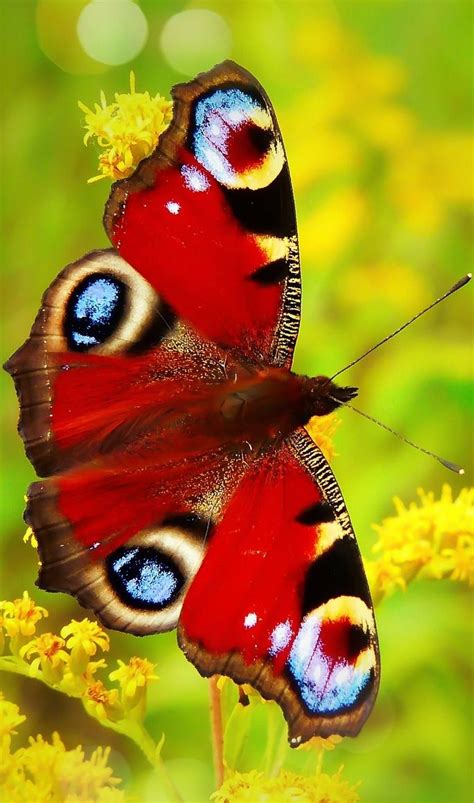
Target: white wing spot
<point>173,207</point>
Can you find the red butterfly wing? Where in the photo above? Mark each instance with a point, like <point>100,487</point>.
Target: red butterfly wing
<point>281,600</point>
<point>209,218</point>
<point>111,388</point>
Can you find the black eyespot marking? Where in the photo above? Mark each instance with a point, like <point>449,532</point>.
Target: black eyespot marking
<point>144,578</point>
<point>319,513</point>
<point>269,210</point>
<point>272,273</point>
<point>357,640</point>
<point>260,138</point>
<point>94,311</point>
<point>336,573</point>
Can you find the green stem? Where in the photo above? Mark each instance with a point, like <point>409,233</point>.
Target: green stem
<point>216,730</point>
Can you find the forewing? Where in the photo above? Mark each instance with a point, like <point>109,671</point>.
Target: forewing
<point>290,611</point>
<point>209,218</point>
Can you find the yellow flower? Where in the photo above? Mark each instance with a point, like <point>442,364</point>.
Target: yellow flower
<point>384,576</point>
<point>10,718</point>
<point>31,537</point>
<point>59,775</point>
<point>321,429</point>
<point>287,787</point>
<point>83,639</point>
<point>318,743</point>
<point>460,560</point>
<point>103,703</point>
<point>92,668</point>
<point>127,129</point>
<point>434,538</point>
<point>46,771</point>
<point>133,679</point>
<point>20,618</point>
<point>52,659</point>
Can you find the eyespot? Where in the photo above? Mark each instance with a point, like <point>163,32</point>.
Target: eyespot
<point>100,304</point>
<point>139,587</point>
<point>144,577</point>
<point>147,579</point>
<point>93,311</point>
<point>236,140</point>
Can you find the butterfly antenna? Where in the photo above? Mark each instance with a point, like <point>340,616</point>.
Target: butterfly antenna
<point>457,286</point>
<point>446,463</point>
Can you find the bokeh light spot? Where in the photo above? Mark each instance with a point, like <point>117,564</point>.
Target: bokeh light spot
<point>193,40</point>
<point>56,24</point>
<point>112,31</point>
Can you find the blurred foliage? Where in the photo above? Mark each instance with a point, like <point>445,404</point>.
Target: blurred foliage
<point>374,101</point>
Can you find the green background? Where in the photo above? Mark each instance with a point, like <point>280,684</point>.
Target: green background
<point>383,230</point>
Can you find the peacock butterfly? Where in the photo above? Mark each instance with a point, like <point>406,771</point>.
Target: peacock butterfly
<point>157,399</point>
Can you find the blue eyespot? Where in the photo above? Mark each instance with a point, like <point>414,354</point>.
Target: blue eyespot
<point>144,578</point>
<point>93,311</point>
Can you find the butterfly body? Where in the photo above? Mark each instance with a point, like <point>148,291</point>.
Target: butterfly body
<point>157,401</point>
<point>259,405</point>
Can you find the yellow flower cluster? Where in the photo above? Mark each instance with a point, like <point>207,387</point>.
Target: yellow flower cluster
<point>64,662</point>
<point>434,539</point>
<point>46,771</point>
<point>359,138</point>
<point>126,130</point>
<point>250,787</point>
<point>19,620</point>
<point>321,429</point>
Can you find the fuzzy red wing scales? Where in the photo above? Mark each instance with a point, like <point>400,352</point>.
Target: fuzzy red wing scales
<point>110,386</point>
<point>209,218</point>
<point>291,614</point>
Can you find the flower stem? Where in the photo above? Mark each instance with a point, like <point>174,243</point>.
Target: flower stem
<point>216,730</point>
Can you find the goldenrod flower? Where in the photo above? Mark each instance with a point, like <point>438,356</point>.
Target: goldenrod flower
<point>52,659</point>
<point>10,717</point>
<point>384,576</point>
<point>133,679</point>
<point>20,618</point>
<point>103,703</point>
<point>254,786</point>
<point>92,667</point>
<point>321,429</point>
<point>434,538</point>
<point>31,537</point>
<point>318,743</point>
<point>46,771</point>
<point>83,639</point>
<point>74,674</point>
<point>56,774</point>
<point>127,130</point>
<point>460,560</point>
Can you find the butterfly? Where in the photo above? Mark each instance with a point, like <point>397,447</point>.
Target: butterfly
<point>180,488</point>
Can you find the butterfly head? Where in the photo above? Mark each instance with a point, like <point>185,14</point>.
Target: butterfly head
<point>324,396</point>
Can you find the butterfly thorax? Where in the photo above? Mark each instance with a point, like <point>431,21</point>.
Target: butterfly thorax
<point>262,405</point>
